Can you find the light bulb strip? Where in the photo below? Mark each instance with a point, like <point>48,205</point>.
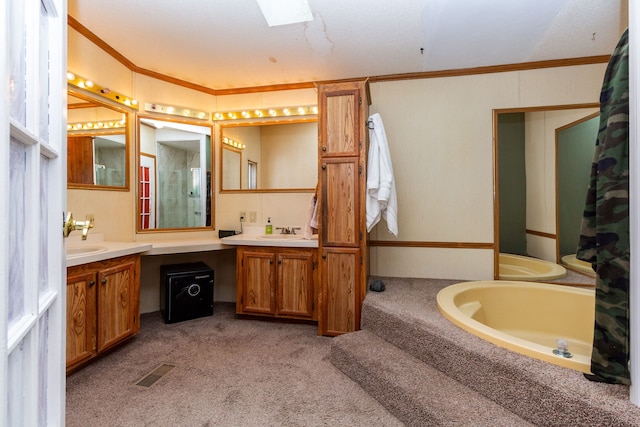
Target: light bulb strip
<point>174,110</point>
<point>266,113</point>
<point>91,86</point>
<point>104,125</point>
<point>232,143</point>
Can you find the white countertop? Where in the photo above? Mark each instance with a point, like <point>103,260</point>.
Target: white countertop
<point>289,241</point>
<point>95,248</point>
<point>184,246</point>
<point>100,250</point>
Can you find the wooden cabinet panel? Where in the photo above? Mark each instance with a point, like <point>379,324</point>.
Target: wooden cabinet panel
<point>277,282</point>
<point>116,304</point>
<point>295,284</point>
<point>258,285</point>
<point>81,317</point>
<point>80,160</point>
<point>342,168</point>
<point>340,291</point>
<point>340,221</point>
<point>340,129</point>
<point>103,307</point>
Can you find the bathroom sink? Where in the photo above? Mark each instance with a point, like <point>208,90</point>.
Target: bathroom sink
<point>76,251</point>
<point>280,236</point>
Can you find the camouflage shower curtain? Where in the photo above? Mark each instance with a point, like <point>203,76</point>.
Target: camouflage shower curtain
<point>604,237</point>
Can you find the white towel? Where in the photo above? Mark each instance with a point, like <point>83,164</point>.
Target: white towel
<point>312,221</point>
<point>381,198</point>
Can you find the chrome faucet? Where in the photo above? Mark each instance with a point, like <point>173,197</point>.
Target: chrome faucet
<point>288,230</point>
<point>69,224</point>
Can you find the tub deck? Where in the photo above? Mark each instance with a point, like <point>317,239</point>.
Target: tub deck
<point>406,317</point>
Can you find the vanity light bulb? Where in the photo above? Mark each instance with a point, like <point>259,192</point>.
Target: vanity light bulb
<point>201,115</point>
<point>170,110</point>
<point>89,83</point>
<point>272,112</point>
<point>315,110</point>
<point>301,110</point>
<point>245,114</point>
<point>258,113</point>
<point>69,127</point>
<point>134,102</point>
<point>81,84</point>
<point>71,76</point>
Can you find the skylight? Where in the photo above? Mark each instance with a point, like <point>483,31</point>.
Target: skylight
<point>284,12</point>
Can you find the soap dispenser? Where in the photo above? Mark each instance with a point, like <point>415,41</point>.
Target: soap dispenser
<point>268,229</point>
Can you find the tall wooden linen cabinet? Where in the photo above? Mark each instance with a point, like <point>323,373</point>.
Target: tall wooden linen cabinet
<point>343,112</point>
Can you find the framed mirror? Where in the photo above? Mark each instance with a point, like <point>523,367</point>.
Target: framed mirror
<point>278,156</point>
<point>174,175</point>
<point>97,144</point>
<point>543,162</point>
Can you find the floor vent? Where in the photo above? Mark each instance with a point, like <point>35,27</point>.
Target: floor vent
<point>152,377</point>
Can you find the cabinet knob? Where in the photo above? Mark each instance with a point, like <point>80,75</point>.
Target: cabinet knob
<point>91,283</point>
<point>324,148</point>
<point>104,281</point>
<point>324,167</point>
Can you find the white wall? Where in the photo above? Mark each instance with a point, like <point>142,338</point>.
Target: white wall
<point>440,133</point>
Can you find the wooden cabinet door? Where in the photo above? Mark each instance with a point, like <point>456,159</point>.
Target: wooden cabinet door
<point>295,283</point>
<point>340,202</point>
<point>340,290</point>
<point>340,120</point>
<point>81,317</point>
<point>258,276</point>
<point>117,304</point>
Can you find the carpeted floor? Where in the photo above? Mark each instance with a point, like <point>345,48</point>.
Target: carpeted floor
<point>228,372</point>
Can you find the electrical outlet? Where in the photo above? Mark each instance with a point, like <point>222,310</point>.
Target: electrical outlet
<point>252,216</point>
<point>243,215</point>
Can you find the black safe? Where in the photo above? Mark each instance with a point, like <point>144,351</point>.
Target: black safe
<point>186,291</point>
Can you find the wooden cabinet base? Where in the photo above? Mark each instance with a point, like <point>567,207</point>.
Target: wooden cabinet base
<point>103,308</point>
<point>277,282</point>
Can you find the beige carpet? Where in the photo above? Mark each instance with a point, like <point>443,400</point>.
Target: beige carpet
<point>228,372</point>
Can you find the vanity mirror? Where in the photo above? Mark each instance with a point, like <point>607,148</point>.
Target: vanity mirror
<point>269,156</point>
<point>97,146</point>
<point>174,175</point>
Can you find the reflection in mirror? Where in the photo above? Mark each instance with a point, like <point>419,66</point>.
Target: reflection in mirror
<point>265,156</point>
<point>174,175</point>
<point>96,145</point>
<point>575,143</point>
<point>537,202</point>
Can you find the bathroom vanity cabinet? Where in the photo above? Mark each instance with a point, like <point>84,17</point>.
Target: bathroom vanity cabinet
<point>343,112</point>
<point>103,307</point>
<point>277,282</point>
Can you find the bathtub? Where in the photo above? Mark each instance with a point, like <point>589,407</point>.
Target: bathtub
<point>517,267</point>
<point>576,264</point>
<point>525,317</point>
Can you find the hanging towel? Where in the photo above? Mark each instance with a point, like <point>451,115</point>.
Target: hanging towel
<point>381,200</point>
<point>312,222</point>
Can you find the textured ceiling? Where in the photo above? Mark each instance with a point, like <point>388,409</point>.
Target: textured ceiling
<point>228,44</point>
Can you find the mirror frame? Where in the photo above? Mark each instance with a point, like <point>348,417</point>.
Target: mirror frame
<point>139,119</point>
<point>127,145</point>
<point>261,123</point>
<point>496,168</point>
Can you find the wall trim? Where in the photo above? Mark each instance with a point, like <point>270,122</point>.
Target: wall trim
<point>587,60</point>
<point>422,244</point>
